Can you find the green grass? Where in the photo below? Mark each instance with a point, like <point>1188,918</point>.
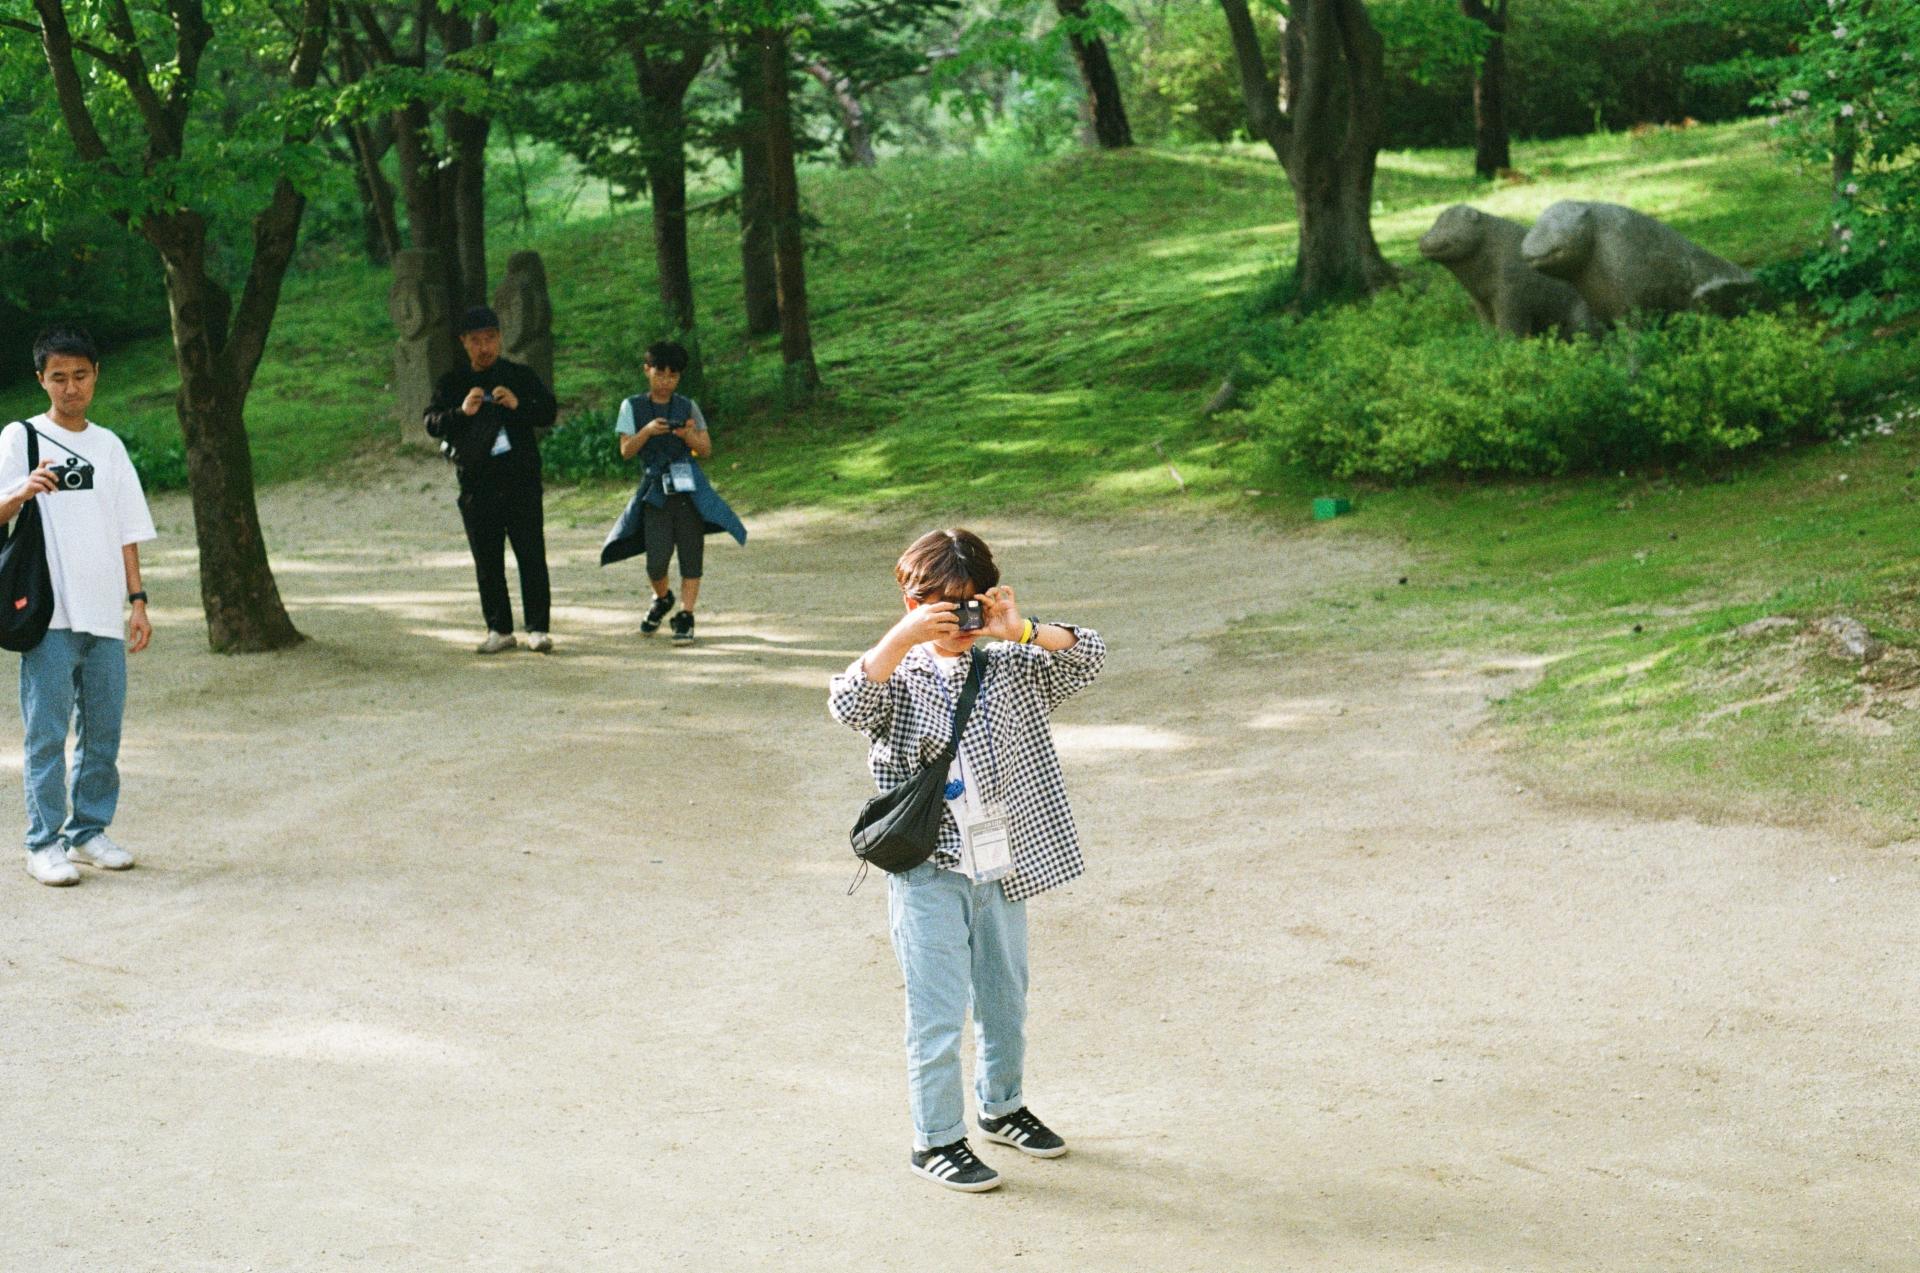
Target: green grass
<point>1004,335</point>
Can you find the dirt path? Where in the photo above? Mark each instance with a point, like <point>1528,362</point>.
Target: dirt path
<point>545,964</point>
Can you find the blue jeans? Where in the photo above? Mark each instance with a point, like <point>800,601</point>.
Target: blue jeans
<point>80,679</point>
<point>958,943</point>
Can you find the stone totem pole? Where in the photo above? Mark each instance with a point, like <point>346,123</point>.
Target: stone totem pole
<point>526,314</point>
<point>426,349</point>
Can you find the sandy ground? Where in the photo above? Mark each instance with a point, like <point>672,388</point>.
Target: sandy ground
<point>546,963</point>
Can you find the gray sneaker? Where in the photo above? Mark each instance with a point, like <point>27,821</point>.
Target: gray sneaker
<point>50,866</point>
<point>495,642</point>
<point>101,852</point>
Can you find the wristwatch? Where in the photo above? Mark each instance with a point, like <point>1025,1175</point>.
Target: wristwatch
<point>137,596</point>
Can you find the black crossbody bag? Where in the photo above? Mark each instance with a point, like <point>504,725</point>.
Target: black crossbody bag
<point>897,829</point>
<point>26,585</point>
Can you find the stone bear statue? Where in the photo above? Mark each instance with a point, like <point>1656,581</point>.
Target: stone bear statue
<point>1483,252</point>
<point>1621,260</point>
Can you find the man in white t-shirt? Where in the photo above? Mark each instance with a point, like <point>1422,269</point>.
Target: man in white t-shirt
<point>95,519</point>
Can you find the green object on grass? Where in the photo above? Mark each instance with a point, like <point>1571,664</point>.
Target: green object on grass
<point>1328,507</point>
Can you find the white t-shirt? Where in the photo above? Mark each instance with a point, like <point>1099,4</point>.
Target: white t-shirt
<point>85,529</point>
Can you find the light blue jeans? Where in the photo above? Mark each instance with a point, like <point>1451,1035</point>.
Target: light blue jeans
<point>72,678</point>
<point>959,943</point>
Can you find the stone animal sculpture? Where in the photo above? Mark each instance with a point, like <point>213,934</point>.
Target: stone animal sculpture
<point>1621,260</point>
<point>1483,252</point>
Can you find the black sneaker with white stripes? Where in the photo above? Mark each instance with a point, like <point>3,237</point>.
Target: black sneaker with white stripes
<point>1025,1133</point>
<point>955,1167</point>
<point>662,604</point>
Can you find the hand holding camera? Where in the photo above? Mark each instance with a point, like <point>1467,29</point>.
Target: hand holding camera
<point>475,397</point>
<point>73,474</point>
<point>504,397</point>
<point>929,621</point>
<point>1003,618</point>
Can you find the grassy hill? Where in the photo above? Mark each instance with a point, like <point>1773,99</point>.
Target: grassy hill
<point>1003,335</point>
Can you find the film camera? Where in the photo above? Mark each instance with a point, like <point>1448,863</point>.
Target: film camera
<point>73,474</point>
<point>971,614</point>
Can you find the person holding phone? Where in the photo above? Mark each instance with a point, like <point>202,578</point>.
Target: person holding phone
<point>676,507</point>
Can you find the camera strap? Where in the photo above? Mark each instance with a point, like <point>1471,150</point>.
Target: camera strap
<point>33,453</point>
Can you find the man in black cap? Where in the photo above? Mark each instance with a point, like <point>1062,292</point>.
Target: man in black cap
<point>486,413</point>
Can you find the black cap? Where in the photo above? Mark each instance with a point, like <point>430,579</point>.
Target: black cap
<point>479,318</point>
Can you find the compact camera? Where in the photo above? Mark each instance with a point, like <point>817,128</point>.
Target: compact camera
<point>971,614</point>
<point>73,475</point>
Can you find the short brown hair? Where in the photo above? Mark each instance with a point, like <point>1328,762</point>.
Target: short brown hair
<point>941,563</point>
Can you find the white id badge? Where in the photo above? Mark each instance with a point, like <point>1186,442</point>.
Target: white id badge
<point>500,444</point>
<point>990,851</point>
<point>680,477</point>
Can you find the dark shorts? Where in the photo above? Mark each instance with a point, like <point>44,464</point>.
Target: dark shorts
<point>679,527</point>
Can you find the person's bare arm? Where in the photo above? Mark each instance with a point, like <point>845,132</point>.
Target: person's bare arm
<point>139,629</point>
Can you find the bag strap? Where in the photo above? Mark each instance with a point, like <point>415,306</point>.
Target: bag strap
<point>968,692</point>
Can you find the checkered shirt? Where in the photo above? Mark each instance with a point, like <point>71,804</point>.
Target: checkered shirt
<point>1007,746</point>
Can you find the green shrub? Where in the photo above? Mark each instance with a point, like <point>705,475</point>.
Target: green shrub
<point>162,466</point>
<point>583,449</point>
<point>1410,386</point>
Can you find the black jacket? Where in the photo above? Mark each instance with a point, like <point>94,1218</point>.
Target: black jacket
<point>472,436</point>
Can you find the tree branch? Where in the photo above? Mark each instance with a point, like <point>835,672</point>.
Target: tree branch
<point>163,138</point>
<point>276,231</point>
<point>57,40</point>
<point>1257,87</point>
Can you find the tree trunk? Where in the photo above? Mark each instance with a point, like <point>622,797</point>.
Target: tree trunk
<point>1109,113</point>
<point>664,74</point>
<point>376,193</point>
<point>802,376</point>
<point>468,204</point>
<point>856,138</point>
<point>1492,151</point>
<point>758,274</point>
<point>237,591</point>
<point>1325,128</point>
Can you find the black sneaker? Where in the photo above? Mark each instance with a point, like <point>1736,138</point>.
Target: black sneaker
<point>656,612</point>
<point>955,1167</point>
<point>683,628</point>
<point>1025,1133</point>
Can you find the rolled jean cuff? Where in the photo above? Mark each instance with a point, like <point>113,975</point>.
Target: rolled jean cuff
<point>1000,1109</point>
<point>934,1140</point>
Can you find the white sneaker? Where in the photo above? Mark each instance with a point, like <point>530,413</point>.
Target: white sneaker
<point>495,642</point>
<point>100,852</point>
<point>539,643</point>
<point>50,866</point>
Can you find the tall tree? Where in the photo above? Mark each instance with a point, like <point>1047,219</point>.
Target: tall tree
<point>667,53</point>
<point>759,273</point>
<point>1108,112</point>
<point>802,374</point>
<point>155,167</point>
<point>1491,148</point>
<point>1322,118</point>
<point>422,57</point>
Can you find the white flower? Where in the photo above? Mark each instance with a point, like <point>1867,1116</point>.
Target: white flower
<point>1846,236</point>
<point>1839,33</point>
<point>1847,110</point>
<point>1801,95</point>
<point>1853,187</point>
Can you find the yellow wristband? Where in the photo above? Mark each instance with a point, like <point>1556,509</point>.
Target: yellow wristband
<point>1026,637</point>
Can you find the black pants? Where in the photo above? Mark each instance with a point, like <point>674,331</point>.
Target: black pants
<point>498,508</point>
<point>675,527</point>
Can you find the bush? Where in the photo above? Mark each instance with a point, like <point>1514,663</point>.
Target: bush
<point>582,449</point>
<point>162,466</point>
<point>1409,385</point>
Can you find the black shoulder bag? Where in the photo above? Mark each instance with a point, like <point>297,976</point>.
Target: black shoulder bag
<point>26,585</point>
<point>898,828</point>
